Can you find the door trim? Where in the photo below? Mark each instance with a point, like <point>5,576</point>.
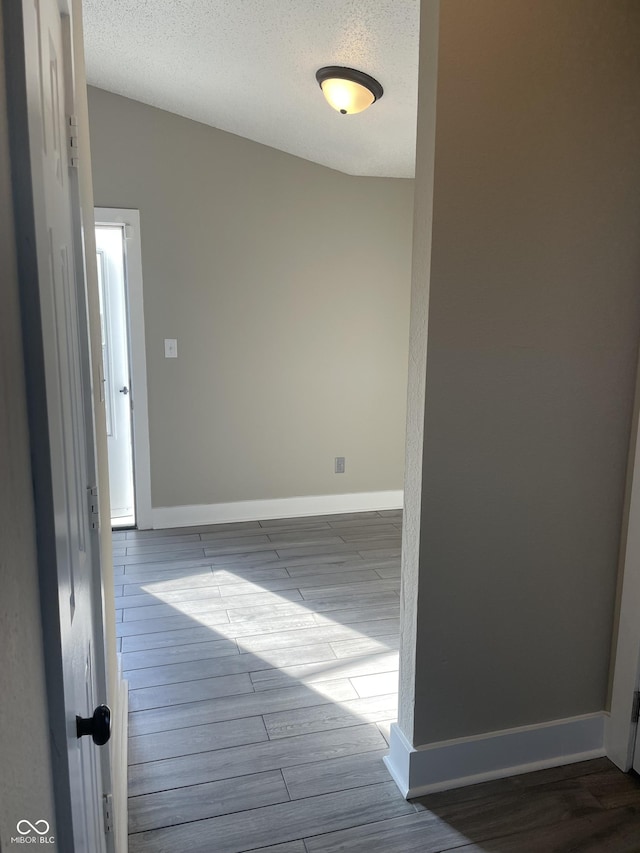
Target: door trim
<point>130,218</point>
<point>621,730</point>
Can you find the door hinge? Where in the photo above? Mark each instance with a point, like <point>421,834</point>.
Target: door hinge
<point>107,810</point>
<point>72,141</point>
<point>94,509</point>
<point>635,713</point>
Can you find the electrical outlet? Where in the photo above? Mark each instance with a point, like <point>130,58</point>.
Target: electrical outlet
<point>339,469</point>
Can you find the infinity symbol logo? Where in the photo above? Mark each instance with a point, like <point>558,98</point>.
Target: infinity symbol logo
<point>32,827</point>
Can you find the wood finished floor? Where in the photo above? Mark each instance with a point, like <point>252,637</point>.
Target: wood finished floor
<point>262,667</point>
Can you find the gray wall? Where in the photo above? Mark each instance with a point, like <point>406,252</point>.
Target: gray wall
<point>25,779</point>
<point>534,313</point>
<point>287,287</point>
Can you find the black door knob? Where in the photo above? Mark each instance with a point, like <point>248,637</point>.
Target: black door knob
<point>98,726</point>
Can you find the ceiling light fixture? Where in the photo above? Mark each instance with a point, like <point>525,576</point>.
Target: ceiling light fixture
<point>347,90</point>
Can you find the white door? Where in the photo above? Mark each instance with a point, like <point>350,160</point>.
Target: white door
<point>55,329</point>
<point>117,375</point>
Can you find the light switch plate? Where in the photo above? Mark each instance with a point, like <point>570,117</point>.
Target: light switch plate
<point>170,348</point>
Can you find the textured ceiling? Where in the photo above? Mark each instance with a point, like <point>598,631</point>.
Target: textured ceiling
<point>248,67</point>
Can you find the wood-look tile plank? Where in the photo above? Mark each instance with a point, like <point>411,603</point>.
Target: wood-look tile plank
<point>379,553</point>
<point>339,523</point>
<point>376,685</point>
<point>198,529</point>
<point>161,557</point>
<point>390,546</point>
<point>365,645</point>
<point>144,572</point>
<point>195,739</point>
<point>228,665</point>
<point>288,552</point>
<point>196,802</point>
<point>160,633</point>
<point>510,785</point>
<point>283,526</point>
<point>152,546</point>
<point>259,642</point>
<point>246,559</point>
<point>607,832</point>
<point>156,537</point>
<point>614,790</point>
<point>215,614</point>
<point>189,634</point>
<point>183,581</point>
<point>240,761</point>
<point>388,571</point>
<point>333,609</point>
<point>156,594</point>
<point>189,691</point>
<point>288,847</point>
<point>263,613</point>
<point>194,569</point>
<point>345,516</point>
<point>190,584</point>
<point>308,538</point>
<point>252,547</point>
<point>314,674</point>
<point>237,707</point>
<point>237,545</point>
<point>313,567</point>
<point>558,774</point>
<point>279,823</point>
<point>178,654</point>
<point>331,716</point>
<point>347,588</point>
<point>319,581</point>
<point>338,774</point>
<point>430,832</point>
<point>370,533</point>
<point>322,604</point>
<point>212,536</point>
<point>181,620</point>
<point>349,616</point>
<point>158,611</point>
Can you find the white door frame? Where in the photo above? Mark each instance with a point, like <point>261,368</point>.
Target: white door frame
<point>621,730</point>
<point>130,220</point>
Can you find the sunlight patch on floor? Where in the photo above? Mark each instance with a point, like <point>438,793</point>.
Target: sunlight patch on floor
<point>370,653</point>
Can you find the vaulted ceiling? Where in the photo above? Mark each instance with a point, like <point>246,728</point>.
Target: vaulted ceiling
<point>248,67</point>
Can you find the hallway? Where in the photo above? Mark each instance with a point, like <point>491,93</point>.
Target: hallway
<point>262,666</point>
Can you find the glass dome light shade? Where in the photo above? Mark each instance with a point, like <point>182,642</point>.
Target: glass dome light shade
<point>347,90</point>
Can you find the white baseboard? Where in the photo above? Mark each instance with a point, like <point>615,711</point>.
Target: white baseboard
<point>185,516</point>
<point>119,761</point>
<point>466,761</point>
